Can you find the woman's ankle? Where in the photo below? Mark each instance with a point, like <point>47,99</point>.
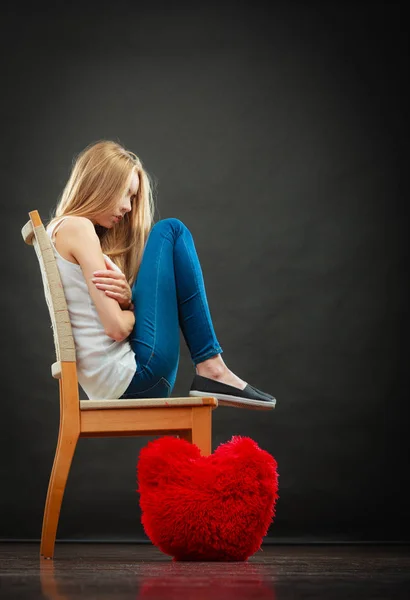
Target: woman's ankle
<point>212,367</point>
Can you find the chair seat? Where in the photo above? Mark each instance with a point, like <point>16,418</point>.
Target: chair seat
<point>149,403</point>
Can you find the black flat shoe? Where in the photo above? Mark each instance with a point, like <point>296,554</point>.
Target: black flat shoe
<point>228,395</point>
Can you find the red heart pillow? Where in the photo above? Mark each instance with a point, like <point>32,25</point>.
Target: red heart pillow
<point>216,507</point>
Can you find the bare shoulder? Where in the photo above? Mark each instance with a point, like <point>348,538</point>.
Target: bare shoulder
<point>75,233</point>
<point>74,223</point>
<point>77,230</point>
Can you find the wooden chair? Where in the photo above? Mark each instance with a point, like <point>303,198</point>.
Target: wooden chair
<point>187,417</point>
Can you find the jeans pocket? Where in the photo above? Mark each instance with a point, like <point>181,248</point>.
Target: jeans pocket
<point>160,389</point>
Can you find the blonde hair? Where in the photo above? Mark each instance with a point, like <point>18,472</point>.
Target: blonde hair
<point>99,176</point>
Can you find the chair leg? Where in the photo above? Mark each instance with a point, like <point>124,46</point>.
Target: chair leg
<point>66,446</point>
<point>201,432</point>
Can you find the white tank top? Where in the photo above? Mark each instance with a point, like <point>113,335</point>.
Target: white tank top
<point>104,367</point>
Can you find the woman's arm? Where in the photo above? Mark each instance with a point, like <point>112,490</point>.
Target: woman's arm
<point>127,321</point>
<point>84,245</point>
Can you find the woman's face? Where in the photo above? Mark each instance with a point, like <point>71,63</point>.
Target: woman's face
<point>124,205</point>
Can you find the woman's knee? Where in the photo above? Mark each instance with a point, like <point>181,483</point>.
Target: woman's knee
<point>170,223</point>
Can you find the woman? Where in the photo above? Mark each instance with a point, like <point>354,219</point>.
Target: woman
<point>130,284</point>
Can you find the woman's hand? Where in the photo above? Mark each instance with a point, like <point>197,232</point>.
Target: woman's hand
<point>115,285</point>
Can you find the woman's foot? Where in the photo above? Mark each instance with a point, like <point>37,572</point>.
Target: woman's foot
<point>228,389</point>
<point>215,368</point>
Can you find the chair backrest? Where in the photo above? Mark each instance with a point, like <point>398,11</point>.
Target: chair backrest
<point>34,234</point>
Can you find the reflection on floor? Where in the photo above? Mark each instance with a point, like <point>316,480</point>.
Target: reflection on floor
<point>136,571</point>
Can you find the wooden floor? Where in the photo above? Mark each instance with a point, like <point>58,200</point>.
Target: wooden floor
<point>134,571</point>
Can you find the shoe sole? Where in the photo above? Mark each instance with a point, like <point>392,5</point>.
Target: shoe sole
<point>227,400</point>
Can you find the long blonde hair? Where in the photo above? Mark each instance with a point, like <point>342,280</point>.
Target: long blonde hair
<point>99,176</point>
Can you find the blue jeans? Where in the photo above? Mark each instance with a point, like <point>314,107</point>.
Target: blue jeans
<point>168,294</point>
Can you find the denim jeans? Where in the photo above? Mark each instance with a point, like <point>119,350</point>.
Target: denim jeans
<point>168,294</point>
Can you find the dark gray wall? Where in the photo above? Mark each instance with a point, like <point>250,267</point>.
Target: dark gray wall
<point>278,134</point>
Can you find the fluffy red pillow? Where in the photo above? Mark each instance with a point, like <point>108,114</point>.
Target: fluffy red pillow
<point>216,507</point>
